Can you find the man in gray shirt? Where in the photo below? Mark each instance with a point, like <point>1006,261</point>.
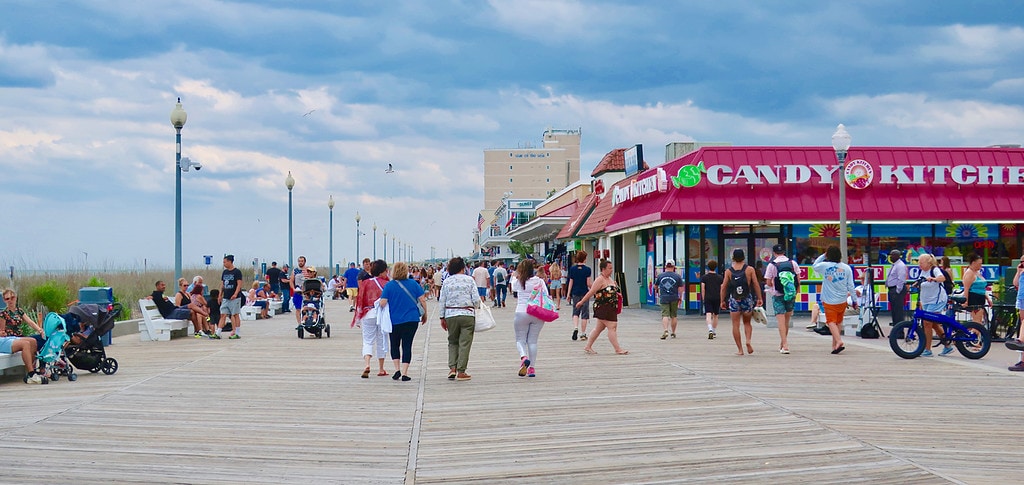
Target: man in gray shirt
<point>896,286</point>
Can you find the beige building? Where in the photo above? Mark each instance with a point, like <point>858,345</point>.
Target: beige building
<point>531,173</point>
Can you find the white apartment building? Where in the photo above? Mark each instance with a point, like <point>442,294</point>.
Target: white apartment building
<point>531,173</point>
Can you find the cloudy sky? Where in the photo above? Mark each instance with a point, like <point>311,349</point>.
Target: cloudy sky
<point>86,89</point>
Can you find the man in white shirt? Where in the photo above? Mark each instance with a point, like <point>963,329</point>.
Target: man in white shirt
<point>482,278</point>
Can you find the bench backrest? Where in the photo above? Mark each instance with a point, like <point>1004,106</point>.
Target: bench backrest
<point>149,310</point>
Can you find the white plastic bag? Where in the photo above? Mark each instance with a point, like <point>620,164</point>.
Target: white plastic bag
<point>484,319</point>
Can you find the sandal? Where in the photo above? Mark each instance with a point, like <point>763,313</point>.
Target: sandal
<point>624,352</point>
<point>382,373</point>
<point>589,351</point>
<point>366,373</point>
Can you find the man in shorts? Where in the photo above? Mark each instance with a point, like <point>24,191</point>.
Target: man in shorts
<point>231,297</point>
<point>670,292</point>
<point>352,285</point>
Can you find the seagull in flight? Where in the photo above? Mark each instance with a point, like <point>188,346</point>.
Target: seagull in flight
<point>308,113</point>
<point>390,169</point>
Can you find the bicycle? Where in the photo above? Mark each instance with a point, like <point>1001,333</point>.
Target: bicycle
<point>972,339</point>
<point>1004,323</point>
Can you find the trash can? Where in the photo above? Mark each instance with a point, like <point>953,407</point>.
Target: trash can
<point>98,295</point>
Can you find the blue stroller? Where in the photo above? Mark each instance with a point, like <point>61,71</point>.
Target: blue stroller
<point>51,356</point>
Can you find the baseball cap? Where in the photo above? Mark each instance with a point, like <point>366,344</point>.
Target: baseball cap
<point>670,262</point>
<point>778,249</point>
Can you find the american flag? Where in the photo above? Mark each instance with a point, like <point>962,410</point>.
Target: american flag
<point>479,222</point>
<point>511,218</point>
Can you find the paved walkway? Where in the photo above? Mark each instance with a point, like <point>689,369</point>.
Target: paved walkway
<point>270,408</point>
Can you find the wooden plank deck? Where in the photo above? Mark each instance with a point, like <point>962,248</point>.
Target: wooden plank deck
<point>270,408</point>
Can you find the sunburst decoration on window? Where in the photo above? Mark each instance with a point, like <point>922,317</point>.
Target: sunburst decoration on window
<point>967,231</point>
<point>826,230</point>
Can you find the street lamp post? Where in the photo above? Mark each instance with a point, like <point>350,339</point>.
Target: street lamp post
<point>178,117</point>
<point>393,253</point>
<point>841,143</point>
<point>374,241</point>
<point>357,237</point>
<point>385,245</point>
<point>330,251</point>
<point>290,183</point>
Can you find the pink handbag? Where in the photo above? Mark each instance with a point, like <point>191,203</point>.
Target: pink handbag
<point>541,306</point>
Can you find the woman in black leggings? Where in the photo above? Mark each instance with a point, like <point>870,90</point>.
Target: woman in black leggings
<point>400,297</point>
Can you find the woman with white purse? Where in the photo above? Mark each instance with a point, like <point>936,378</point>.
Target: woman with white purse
<point>458,302</point>
<point>375,339</point>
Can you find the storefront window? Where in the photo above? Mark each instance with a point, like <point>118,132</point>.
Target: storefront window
<point>813,239</point>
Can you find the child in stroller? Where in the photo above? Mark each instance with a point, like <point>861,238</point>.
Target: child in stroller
<point>311,316</point>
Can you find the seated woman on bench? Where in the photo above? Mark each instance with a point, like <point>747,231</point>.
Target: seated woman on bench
<point>12,341</point>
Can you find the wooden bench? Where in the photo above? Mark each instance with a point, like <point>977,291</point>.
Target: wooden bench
<point>11,361</point>
<point>154,326</point>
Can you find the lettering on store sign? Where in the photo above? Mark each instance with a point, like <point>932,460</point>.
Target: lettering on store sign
<point>656,182</point>
<point>691,175</point>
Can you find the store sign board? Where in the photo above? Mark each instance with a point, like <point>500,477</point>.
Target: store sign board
<point>858,173</point>
<point>655,182</point>
<point>633,156</point>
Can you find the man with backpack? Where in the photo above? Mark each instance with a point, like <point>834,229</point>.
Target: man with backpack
<point>500,284</point>
<point>783,277</point>
<point>670,293</point>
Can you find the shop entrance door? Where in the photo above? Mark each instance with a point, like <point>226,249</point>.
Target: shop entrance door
<point>756,243</point>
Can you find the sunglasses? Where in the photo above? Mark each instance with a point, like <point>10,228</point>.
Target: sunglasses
<point>10,298</point>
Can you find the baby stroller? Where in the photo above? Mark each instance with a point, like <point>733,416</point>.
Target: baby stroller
<point>85,349</point>
<point>52,357</point>
<point>311,316</point>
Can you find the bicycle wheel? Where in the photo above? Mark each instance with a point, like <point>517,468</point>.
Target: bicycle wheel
<point>978,345</point>
<point>906,339</point>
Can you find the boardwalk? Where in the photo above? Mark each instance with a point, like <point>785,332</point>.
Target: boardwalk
<point>273,409</point>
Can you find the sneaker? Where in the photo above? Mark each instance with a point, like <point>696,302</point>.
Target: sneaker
<point>531,373</point>
<point>215,336</point>
<point>926,353</point>
<point>575,333</point>
<point>946,351</point>
<point>234,337</point>
<point>35,378</point>
<point>664,335</point>
<point>583,337</point>
<point>524,366</point>
<point>198,335</point>
<point>351,308</point>
<point>672,335</point>
<point>711,334</point>
<point>1018,367</point>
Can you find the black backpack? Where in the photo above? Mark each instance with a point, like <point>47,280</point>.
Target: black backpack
<point>739,286</point>
<point>948,284</point>
<point>869,331</point>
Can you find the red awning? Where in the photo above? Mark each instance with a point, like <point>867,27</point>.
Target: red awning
<point>800,184</point>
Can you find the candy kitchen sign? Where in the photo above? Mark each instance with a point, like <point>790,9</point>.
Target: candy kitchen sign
<point>657,181</point>
<point>858,174</point>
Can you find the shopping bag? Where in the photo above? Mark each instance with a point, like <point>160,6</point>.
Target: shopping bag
<point>541,306</point>
<point>484,319</point>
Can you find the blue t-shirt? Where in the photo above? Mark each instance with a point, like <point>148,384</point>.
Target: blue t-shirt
<point>403,309</point>
<point>490,274</point>
<point>351,278</point>
<point>578,274</point>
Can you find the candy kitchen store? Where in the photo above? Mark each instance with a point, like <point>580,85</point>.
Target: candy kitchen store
<point>944,201</point>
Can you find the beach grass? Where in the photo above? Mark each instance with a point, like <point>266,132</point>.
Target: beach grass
<point>128,286</point>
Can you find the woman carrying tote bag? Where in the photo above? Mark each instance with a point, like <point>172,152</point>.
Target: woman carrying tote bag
<point>375,338</point>
<point>458,302</point>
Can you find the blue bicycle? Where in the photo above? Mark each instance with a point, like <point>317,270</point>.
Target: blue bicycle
<point>970,338</point>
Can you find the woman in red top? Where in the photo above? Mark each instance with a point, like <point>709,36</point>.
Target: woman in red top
<point>374,340</point>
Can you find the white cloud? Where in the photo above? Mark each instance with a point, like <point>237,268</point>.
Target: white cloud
<point>975,44</point>
<point>919,119</point>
